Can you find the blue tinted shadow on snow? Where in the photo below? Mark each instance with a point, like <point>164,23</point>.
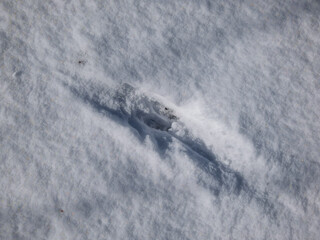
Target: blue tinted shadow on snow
<point>231,180</point>
<point>143,124</point>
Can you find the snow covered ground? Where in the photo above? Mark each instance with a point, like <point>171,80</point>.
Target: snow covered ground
<point>185,119</point>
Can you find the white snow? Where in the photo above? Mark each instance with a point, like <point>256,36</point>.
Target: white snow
<point>159,119</point>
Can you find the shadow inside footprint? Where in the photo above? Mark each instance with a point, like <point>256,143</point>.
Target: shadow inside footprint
<point>154,121</point>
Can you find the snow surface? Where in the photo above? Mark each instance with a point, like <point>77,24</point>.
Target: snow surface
<point>160,119</point>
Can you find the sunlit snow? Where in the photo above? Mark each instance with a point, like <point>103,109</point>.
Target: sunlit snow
<point>146,119</point>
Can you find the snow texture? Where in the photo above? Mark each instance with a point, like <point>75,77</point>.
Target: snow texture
<point>145,119</point>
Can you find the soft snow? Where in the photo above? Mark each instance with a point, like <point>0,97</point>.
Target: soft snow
<point>159,119</point>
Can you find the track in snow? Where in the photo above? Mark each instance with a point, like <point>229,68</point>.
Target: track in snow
<point>147,116</point>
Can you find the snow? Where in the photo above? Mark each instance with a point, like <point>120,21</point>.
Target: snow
<point>159,119</point>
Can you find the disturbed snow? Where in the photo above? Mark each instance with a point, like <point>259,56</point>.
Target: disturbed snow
<point>159,119</point>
